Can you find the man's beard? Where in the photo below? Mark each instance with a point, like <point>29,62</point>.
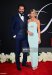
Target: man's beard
<point>21,13</point>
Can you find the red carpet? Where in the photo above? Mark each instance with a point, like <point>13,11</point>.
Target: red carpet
<point>44,68</point>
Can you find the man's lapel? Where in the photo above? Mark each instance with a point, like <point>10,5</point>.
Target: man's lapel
<point>21,19</point>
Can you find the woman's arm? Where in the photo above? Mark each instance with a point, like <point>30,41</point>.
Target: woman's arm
<point>39,29</point>
<point>39,34</point>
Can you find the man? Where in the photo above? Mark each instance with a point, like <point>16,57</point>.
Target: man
<point>20,33</point>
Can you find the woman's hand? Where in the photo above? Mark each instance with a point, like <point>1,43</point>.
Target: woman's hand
<point>30,33</point>
<point>39,40</point>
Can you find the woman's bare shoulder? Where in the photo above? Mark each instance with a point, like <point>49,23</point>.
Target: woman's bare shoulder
<point>38,21</point>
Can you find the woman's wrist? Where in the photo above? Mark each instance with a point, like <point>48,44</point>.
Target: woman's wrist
<point>39,36</point>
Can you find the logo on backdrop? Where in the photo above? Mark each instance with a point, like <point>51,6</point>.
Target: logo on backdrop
<point>50,21</point>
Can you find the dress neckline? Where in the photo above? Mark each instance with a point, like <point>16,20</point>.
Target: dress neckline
<point>32,21</point>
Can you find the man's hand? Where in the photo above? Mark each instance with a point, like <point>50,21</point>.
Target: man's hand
<point>14,36</point>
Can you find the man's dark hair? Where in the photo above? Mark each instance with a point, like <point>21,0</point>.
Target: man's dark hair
<point>21,5</point>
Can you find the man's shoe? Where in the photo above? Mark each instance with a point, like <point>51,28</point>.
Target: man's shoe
<point>26,65</point>
<point>19,68</point>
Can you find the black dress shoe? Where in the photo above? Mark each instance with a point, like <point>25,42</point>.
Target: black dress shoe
<point>18,68</point>
<point>26,65</point>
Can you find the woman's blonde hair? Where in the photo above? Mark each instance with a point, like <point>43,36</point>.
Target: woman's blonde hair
<point>33,10</point>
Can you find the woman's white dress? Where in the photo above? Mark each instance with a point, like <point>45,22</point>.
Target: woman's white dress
<point>33,43</point>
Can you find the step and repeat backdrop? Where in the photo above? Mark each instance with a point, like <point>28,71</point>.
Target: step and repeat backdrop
<point>8,9</point>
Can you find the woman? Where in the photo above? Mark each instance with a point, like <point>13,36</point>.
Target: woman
<point>34,38</point>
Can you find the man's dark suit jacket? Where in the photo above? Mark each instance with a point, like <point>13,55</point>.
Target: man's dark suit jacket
<point>16,23</point>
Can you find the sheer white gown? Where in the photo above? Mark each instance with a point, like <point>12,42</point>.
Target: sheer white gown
<point>33,43</point>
